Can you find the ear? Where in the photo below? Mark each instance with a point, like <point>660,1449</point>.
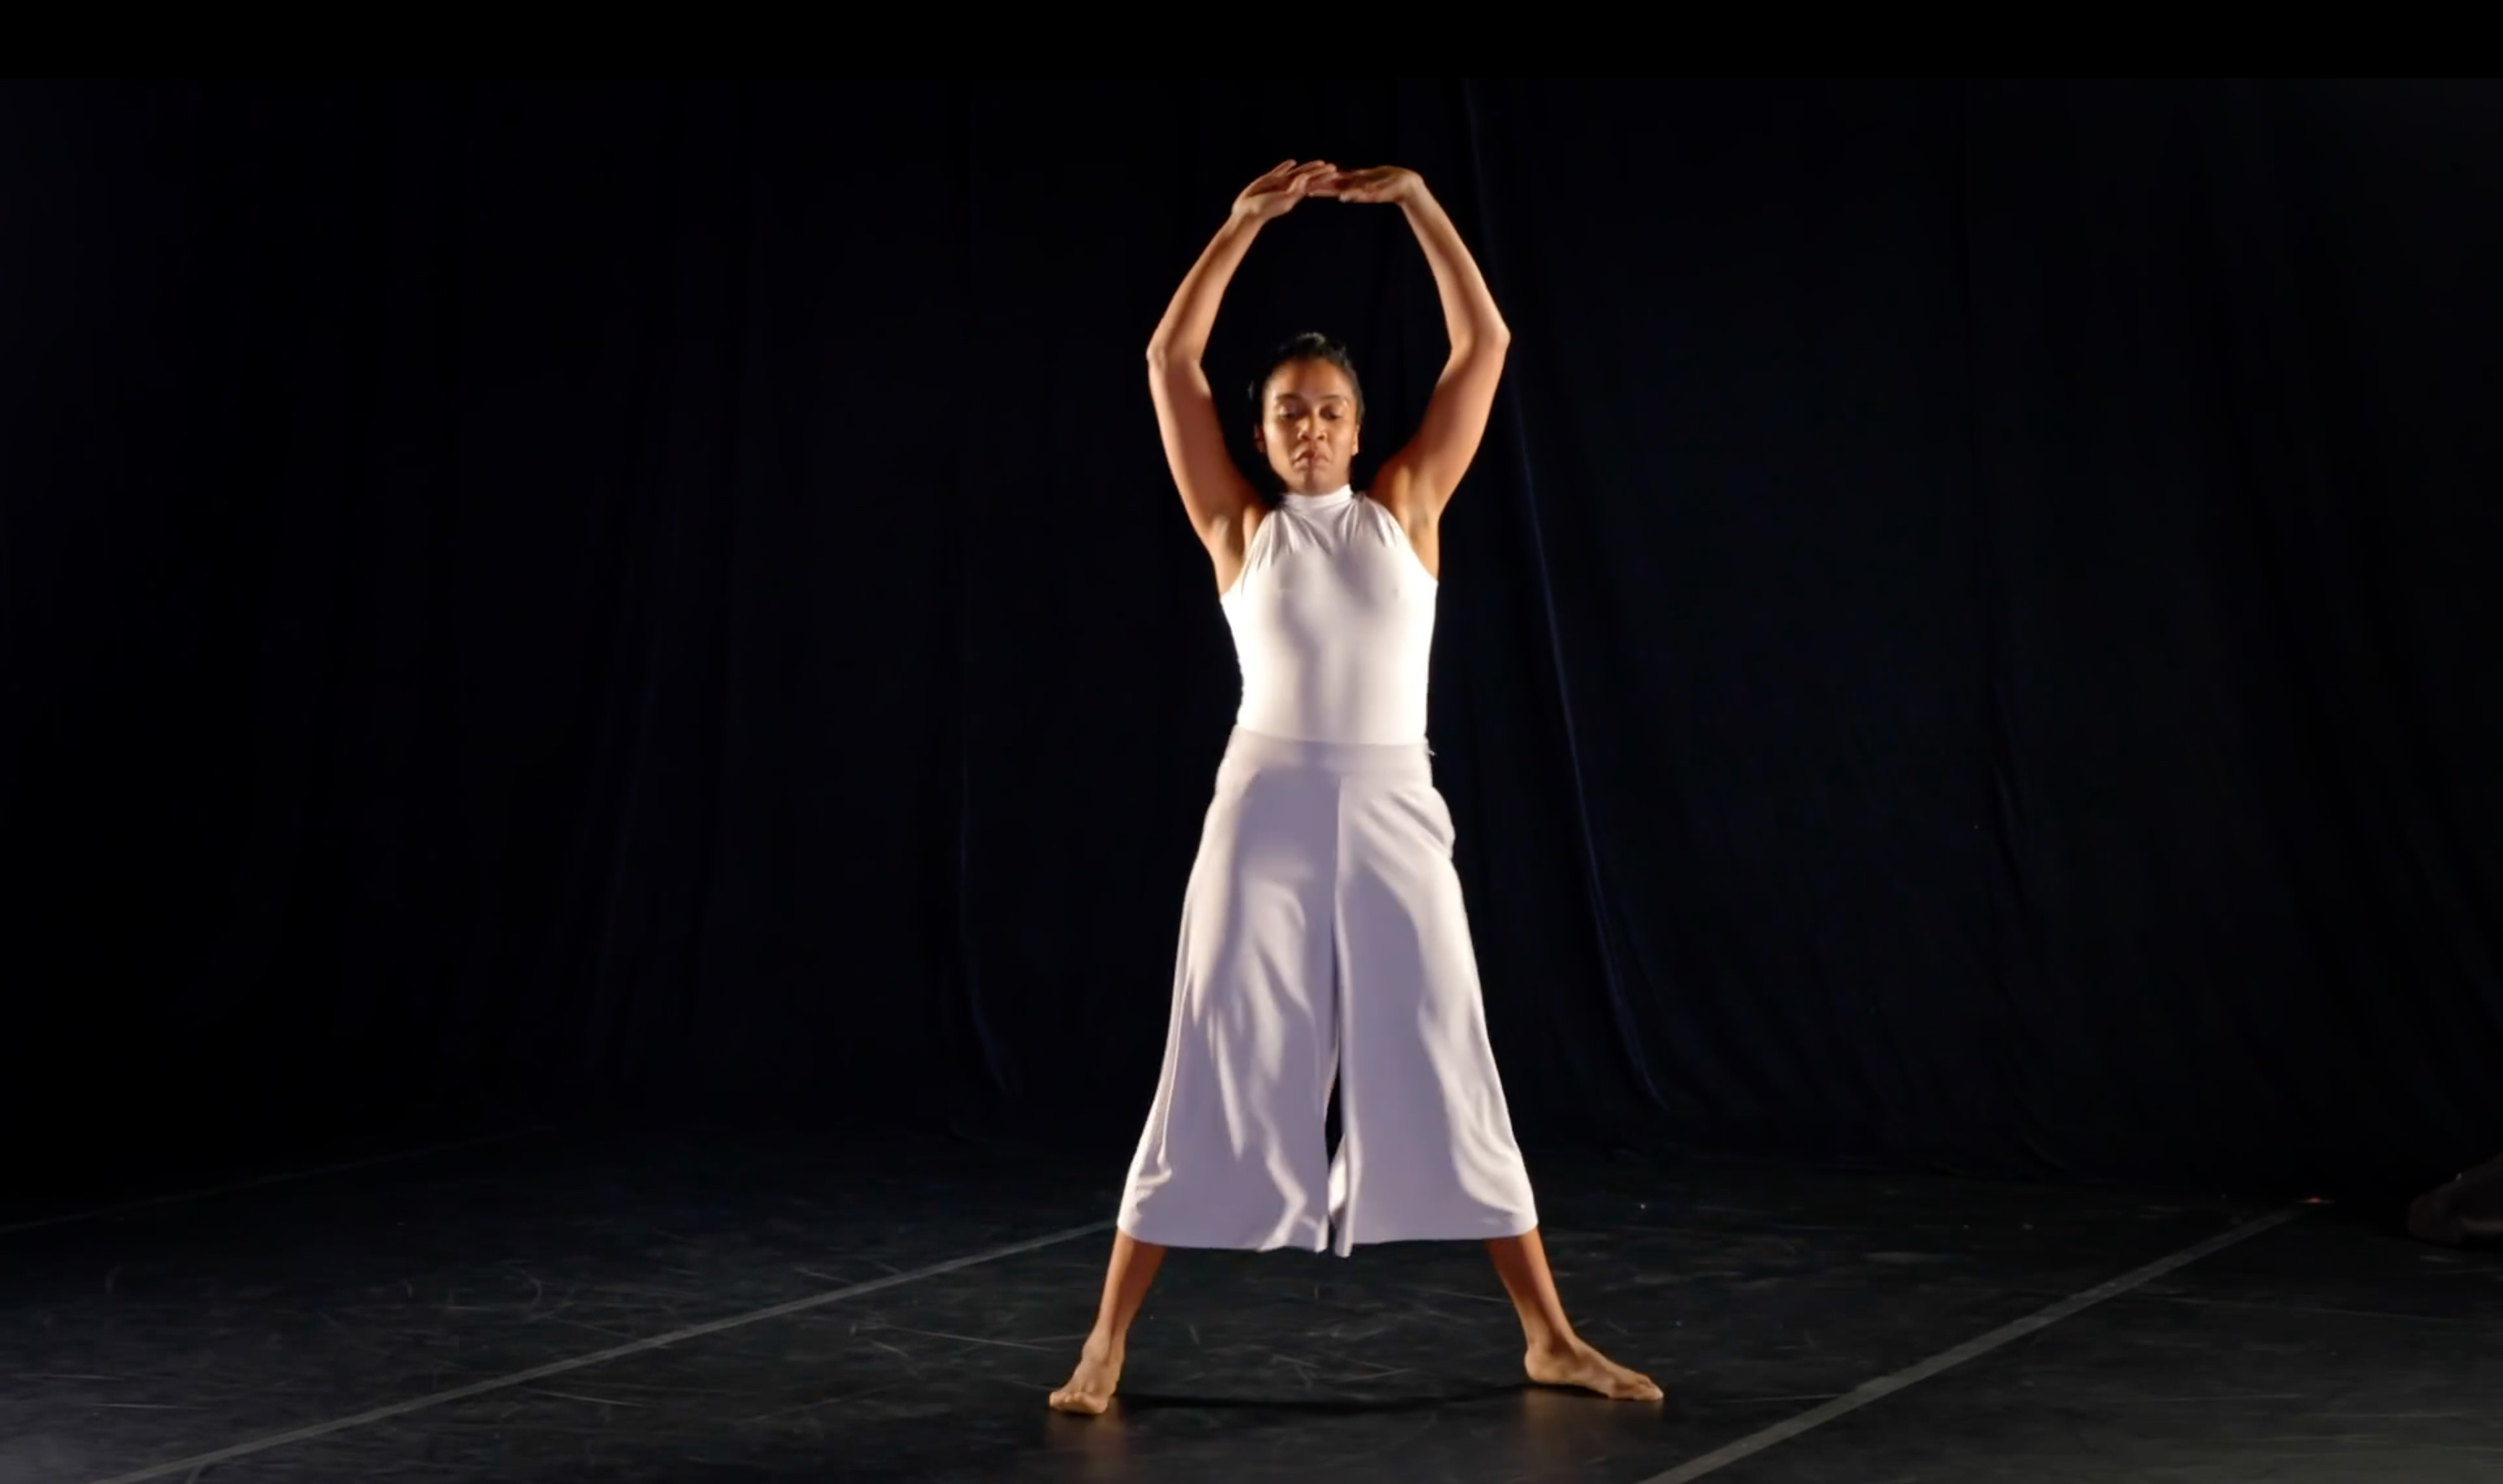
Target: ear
<point>1259,438</point>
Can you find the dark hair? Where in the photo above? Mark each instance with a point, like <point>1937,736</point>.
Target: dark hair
<point>1311,344</point>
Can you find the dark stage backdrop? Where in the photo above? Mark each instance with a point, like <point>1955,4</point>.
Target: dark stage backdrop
<point>1971,641</point>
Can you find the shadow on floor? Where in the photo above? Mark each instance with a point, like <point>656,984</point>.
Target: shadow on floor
<point>1319,1406</point>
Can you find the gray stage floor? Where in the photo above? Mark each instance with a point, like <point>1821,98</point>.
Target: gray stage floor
<point>675,1307</point>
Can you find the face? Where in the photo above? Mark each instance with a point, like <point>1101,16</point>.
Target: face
<point>1308,425</point>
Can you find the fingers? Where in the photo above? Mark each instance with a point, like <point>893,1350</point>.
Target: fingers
<point>1357,186</point>
<point>1294,180</point>
<point>1377,183</point>
<point>1307,178</point>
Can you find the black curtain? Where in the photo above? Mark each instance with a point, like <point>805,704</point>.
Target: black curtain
<point>1968,642</point>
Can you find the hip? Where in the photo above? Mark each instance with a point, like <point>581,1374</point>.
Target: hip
<point>1249,752</point>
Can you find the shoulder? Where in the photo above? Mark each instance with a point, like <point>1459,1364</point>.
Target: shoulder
<point>1398,492</point>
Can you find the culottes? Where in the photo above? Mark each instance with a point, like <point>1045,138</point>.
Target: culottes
<point>1325,942</point>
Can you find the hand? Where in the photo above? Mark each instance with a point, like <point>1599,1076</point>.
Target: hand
<point>1381,184</point>
<point>1276,193</point>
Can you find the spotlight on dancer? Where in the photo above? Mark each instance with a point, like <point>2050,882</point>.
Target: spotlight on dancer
<point>1324,943</point>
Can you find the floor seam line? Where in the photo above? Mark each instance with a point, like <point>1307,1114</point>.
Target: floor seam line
<point>1882,1387</point>
<point>199,1461</point>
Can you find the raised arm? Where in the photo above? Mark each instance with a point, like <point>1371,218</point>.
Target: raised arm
<point>1213,491</point>
<point>1417,481</point>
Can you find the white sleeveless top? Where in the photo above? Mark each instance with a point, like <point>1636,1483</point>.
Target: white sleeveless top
<point>1334,621</point>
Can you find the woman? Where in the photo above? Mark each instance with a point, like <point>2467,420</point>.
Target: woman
<point>1325,945</point>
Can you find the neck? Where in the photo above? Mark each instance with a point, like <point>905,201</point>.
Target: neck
<point>1308,493</point>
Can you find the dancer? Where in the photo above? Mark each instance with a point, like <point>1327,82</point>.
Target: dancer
<point>1323,939</point>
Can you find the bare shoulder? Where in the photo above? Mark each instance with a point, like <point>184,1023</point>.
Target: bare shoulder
<point>1401,490</point>
<point>1228,538</point>
<point>1244,524</point>
<point>1403,495</point>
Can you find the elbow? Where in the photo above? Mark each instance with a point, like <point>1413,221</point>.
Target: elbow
<point>1488,342</point>
<point>1159,356</point>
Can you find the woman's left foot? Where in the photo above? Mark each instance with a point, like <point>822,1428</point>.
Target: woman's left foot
<point>1573,1363</point>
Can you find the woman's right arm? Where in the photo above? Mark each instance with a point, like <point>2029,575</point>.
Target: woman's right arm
<point>1213,491</point>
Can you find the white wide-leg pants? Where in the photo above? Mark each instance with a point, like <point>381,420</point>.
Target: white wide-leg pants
<point>1324,937</point>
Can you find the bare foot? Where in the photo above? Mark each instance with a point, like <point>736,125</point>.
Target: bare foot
<point>1090,1386</point>
<point>1573,1363</point>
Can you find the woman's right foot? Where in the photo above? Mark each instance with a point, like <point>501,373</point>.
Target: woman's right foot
<point>1090,1386</point>
<point>1573,1363</point>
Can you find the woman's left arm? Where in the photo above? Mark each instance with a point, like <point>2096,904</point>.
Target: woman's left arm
<point>1417,481</point>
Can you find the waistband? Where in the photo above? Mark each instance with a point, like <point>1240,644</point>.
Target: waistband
<point>1345,759</point>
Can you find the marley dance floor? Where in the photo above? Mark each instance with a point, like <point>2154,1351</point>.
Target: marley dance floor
<point>647,1307</point>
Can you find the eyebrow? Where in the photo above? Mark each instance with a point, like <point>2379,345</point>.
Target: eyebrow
<point>1327,396</point>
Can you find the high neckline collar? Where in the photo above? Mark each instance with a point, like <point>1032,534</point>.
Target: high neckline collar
<point>1330,501</point>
